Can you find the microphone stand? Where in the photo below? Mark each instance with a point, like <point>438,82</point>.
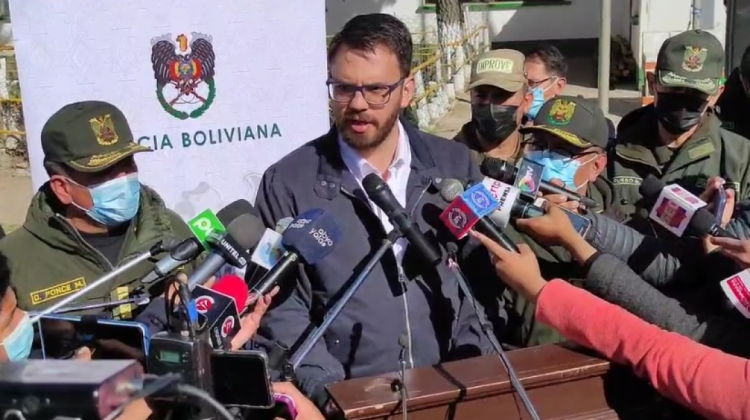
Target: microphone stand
<point>306,347</point>
<point>156,249</point>
<point>463,284</point>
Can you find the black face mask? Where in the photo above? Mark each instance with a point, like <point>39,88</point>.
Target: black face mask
<point>679,112</point>
<point>495,123</point>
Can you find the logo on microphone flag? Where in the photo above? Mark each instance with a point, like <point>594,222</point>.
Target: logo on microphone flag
<point>671,213</point>
<point>204,304</point>
<point>459,218</point>
<point>480,200</point>
<point>227,326</point>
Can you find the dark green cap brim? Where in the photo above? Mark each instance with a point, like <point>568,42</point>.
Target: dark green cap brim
<point>98,163</point>
<point>561,134</point>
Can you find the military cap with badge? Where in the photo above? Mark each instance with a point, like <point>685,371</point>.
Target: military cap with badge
<point>578,123</point>
<point>690,60</point>
<point>91,137</point>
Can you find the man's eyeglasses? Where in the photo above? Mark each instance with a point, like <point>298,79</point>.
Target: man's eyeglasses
<point>538,83</point>
<point>373,94</point>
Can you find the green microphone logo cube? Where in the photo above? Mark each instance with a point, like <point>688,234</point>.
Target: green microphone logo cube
<point>204,224</point>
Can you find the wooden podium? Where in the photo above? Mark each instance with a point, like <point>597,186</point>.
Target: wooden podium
<point>562,384</point>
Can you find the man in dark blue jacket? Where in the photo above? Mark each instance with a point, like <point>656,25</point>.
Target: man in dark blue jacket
<point>403,299</point>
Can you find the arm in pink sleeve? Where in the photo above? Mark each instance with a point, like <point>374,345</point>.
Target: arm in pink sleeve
<point>705,380</point>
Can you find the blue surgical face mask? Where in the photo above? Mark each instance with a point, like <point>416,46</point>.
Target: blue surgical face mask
<point>556,166</point>
<point>115,201</point>
<point>17,345</point>
<point>538,99</point>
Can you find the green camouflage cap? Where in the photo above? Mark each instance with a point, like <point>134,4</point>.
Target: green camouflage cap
<point>574,120</point>
<point>499,68</point>
<point>693,59</point>
<point>88,136</point>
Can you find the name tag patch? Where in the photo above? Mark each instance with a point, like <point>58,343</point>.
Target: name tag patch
<point>627,180</point>
<point>56,291</point>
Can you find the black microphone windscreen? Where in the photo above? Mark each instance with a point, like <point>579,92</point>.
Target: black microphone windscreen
<point>372,183</point>
<point>651,187</point>
<point>450,189</point>
<point>234,210</point>
<point>702,222</point>
<point>497,169</point>
<point>246,229</point>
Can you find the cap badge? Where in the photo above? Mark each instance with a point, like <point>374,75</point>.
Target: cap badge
<point>561,112</point>
<point>694,58</point>
<point>104,130</point>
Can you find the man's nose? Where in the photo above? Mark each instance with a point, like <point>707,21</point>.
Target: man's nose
<point>358,102</point>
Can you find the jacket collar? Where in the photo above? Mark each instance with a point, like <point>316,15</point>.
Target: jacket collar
<point>333,174</point>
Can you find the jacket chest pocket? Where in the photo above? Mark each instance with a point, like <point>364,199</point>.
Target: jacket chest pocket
<point>627,195</point>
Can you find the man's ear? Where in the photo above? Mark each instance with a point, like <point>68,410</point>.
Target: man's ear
<point>651,83</point>
<point>561,83</point>
<point>61,188</point>
<point>528,99</point>
<point>598,166</point>
<point>407,91</point>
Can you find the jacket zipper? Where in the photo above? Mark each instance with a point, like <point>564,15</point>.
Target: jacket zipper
<point>401,276</point>
<point>71,230</point>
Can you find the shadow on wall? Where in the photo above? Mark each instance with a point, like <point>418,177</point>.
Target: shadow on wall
<point>347,9</point>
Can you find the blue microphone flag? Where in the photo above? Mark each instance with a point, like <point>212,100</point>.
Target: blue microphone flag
<point>312,235</point>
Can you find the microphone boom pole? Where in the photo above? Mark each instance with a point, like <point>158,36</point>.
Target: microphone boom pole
<point>489,334</point>
<point>306,347</point>
<point>156,249</point>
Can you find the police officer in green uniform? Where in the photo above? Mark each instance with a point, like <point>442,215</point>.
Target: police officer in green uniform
<point>733,106</point>
<point>569,137</point>
<point>93,214</point>
<point>499,99</point>
<point>679,138</point>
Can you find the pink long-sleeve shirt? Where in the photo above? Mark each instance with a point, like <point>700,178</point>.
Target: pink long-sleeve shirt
<point>711,383</point>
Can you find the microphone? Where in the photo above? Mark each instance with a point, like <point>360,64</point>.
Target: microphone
<point>677,210</point>
<point>221,306</point>
<point>469,211</point>
<point>243,230</point>
<point>269,250</point>
<point>503,171</point>
<point>309,238</point>
<point>510,203</point>
<point>381,195</point>
<point>184,252</point>
<point>463,284</point>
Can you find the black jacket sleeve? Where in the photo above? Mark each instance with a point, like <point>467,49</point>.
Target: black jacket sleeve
<point>612,280</point>
<point>655,260</point>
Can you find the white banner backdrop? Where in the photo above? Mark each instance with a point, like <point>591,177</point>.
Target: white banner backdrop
<point>213,137</point>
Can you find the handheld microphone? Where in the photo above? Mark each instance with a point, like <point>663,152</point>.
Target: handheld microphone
<point>677,210</point>
<point>184,252</point>
<point>503,171</point>
<point>243,230</point>
<point>381,195</point>
<point>510,203</point>
<point>309,238</point>
<point>221,306</point>
<point>469,211</point>
<point>269,250</point>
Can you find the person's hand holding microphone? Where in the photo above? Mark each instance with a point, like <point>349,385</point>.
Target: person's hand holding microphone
<point>520,271</point>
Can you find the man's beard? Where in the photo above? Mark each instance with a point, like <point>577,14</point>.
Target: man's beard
<point>363,141</point>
